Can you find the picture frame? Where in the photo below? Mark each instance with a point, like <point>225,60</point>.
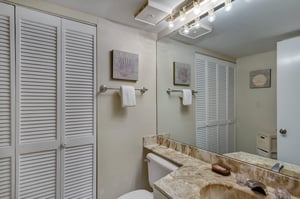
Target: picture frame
<point>125,65</point>
<point>181,74</point>
<point>260,78</point>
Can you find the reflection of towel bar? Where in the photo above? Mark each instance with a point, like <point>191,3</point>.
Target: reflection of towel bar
<point>177,91</point>
<point>104,88</point>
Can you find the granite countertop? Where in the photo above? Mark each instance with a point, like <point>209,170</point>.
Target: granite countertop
<point>193,175</point>
<point>267,163</point>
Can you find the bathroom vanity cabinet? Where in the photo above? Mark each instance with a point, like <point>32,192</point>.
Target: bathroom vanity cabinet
<point>158,195</point>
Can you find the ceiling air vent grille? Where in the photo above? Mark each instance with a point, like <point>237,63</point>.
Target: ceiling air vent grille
<point>195,31</point>
<point>154,11</point>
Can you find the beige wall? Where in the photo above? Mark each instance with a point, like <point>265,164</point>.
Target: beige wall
<point>172,117</point>
<point>120,151</point>
<point>256,108</point>
<point>120,131</point>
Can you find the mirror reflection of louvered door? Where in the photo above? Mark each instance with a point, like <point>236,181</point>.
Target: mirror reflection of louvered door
<point>215,104</point>
<point>78,134</point>
<point>7,90</point>
<point>37,95</point>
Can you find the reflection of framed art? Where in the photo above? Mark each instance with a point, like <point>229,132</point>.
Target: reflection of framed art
<point>181,74</point>
<point>125,66</point>
<point>260,78</point>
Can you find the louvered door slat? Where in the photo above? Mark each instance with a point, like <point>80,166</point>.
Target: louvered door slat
<point>34,181</point>
<point>77,77</point>
<point>38,85</point>
<point>5,81</point>
<point>7,100</point>
<point>222,92</point>
<point>200,65</point>
<point>231,93</point>
<point>31,32</point>
<point>223,139</point>
<point>79,171</point>
<point>212,139</point>
<point>231,109</point>
<point>78,159</point>
<point>6,178</point>
<point>211,91</point>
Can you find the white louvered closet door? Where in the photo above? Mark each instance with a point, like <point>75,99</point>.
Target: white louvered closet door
<point>7,95</point>
<point>215,104</point>
<point>37,95</point>
<point>201,131</point>
<point>78,134</point>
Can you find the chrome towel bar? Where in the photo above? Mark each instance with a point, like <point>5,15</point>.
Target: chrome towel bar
<point>169,91</point>
<point>104,88</point>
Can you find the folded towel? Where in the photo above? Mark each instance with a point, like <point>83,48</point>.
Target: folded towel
<point>186,97</point>
<point>127,96</point>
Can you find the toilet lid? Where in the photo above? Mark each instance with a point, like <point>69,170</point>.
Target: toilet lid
<point>138,194</point>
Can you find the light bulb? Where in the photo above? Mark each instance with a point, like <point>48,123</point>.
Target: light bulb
<point>186,30</point>
<point>211,16</point>
<point>171,24</point>
<point>228,5</point>
<point>182,16</point>
<point>196,8</point>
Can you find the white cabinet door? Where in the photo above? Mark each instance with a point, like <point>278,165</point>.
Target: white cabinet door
<point>288,98</point>
<point>79,111</point>
<point>7,95</point>
<point>37,104</point>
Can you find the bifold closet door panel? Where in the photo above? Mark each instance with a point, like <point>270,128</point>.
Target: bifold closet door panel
<point>38,40</point>
<point>78,161</point>
<point>215,104</point>
<point>7,98</point>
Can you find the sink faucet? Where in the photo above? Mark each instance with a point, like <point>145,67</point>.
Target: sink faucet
<point>257,186</point>
<point>277,167</point>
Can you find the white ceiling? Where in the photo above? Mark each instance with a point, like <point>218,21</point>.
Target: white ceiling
<point>252,26</point>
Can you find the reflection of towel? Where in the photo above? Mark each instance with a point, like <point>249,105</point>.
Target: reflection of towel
<point>127,96</point>
<point>186,97</point>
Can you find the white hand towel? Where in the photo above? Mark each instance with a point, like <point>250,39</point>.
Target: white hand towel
<point>127,96</point>
<point>186,97</point>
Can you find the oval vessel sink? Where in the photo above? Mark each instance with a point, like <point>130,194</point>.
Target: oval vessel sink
<point>222,191</point>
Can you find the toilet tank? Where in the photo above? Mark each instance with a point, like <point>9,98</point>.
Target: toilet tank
<point>158,167</point>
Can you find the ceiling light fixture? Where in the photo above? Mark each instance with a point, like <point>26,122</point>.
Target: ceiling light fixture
<point>228,5</point>
<point>187,13</point>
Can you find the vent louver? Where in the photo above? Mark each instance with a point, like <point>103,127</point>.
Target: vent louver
<point>195,31</point>
<point>154,11</point>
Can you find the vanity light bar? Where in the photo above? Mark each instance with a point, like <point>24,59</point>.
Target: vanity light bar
<point>206,6</point>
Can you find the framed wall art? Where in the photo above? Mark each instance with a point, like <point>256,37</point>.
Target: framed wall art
<point>181,74</point>
<point>260,78</point>
<point>125,65</point>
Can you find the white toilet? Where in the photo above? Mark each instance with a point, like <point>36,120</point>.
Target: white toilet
<point>157,168</point>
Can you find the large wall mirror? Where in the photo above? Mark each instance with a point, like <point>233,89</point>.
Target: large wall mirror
<point>242,47</point>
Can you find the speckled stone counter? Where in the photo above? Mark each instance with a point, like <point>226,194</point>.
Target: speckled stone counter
<point>267,163</point>
<point>195,171</point>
